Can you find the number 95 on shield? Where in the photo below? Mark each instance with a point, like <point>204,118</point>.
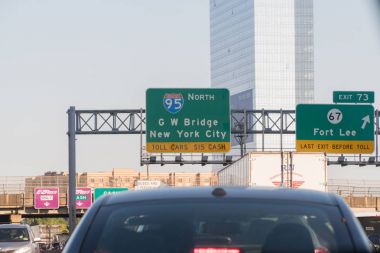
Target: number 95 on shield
<point>173,102</point>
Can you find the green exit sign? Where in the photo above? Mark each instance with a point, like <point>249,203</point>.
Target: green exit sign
<point>187,120</point>
<point>335,128</point>
<point>354,97</point>
<point>101,191</point>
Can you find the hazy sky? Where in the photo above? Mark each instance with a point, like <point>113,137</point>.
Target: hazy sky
<point>105,54</point>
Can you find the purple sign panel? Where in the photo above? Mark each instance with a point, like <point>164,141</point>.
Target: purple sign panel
<point>46,198</point>
<point>83,198</point>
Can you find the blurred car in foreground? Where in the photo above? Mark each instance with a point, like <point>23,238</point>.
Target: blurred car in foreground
<point>219,220</point>
<point>17,238</point>
<point>59,241</point>
<point>370,222</point>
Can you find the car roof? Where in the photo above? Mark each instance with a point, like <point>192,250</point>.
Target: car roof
<point>263,193</point>
<point>13,225</point>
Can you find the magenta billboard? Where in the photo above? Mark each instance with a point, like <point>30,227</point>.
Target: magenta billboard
<point>46,198</point>
<point>83,198</point>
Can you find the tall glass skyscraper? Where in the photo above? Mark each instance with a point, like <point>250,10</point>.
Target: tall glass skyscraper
<point>262,50</point>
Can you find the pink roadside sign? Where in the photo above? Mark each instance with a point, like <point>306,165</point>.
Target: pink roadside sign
<point>46,198</point>
<point>83,199</point>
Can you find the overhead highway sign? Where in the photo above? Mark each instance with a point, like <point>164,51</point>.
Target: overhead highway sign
<point>335,128</point>
<point>187,120</point>
<point>356,97</point>
<point>100,191</point>
<point>46,198</point>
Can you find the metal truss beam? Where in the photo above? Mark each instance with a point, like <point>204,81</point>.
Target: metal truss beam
<point>133,121</point>
<point>356,160</point>
<point>182,159</point>
<point>355,163</point>
<point>110,121</point>
<point>190,162</point>
<point>263,121</point>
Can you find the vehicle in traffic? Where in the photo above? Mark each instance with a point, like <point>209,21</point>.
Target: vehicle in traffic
<point>18,238</point>
<point>59,241</point>
<point>219,220</point>
<point>299,170</point>
<point>370,222</point>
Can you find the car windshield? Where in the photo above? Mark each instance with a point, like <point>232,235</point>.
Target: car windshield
<point>14,235</point>
<point>196,226</point>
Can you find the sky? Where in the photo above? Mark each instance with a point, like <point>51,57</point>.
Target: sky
<point>95,54</point>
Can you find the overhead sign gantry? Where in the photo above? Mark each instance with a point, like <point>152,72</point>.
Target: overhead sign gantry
<point>243,122</point>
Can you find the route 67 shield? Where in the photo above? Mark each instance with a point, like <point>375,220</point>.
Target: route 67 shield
<point>173,102</point>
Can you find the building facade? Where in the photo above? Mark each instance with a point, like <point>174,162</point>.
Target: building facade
<point>49,179</point>
<point>262,51</point>
<point>118,177</point>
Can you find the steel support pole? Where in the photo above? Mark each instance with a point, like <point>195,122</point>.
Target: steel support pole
<point>141,138</point>
<point>377,135</point>
<point>290,168</point>
<point>241,147</point>
<point>281,149</point>
<point>263,133</point>
<point>72,169</point>
<point>245,132</point>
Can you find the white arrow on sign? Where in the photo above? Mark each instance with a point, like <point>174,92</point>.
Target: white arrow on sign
<point>79,203</point>
<point>365,121</point>
<point>46,203</point>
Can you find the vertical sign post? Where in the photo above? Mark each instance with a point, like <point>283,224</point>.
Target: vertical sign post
<point>72,170</point>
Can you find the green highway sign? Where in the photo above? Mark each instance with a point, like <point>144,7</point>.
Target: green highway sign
<point>353,97</point>
<point>335,128</point>
<point>100,191</point>
<point>187,120</point>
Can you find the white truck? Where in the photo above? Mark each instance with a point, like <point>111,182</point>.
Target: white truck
<point>289,169</point>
